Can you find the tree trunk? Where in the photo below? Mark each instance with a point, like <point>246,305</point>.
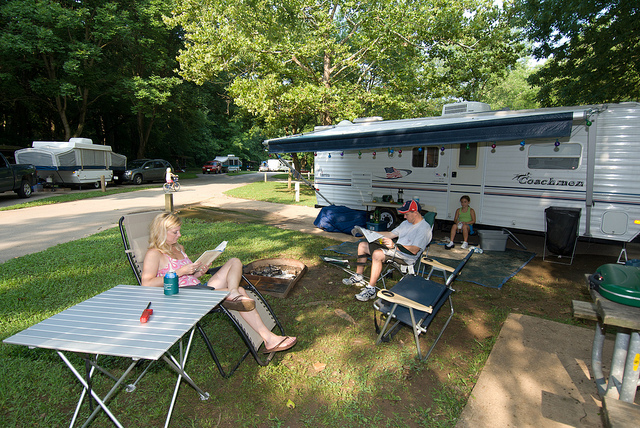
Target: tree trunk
<point>143,133</point>
<point>296,161</point>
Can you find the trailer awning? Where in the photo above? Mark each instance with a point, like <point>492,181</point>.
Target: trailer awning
<point>434,131</point>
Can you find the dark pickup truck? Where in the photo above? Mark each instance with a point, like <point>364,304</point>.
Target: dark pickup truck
<point>17,178</point>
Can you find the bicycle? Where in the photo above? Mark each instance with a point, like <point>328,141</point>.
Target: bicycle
<point>174,186</point>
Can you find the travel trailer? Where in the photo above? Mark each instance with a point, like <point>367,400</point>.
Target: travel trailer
<point>273,165</point>
<point>513,165</point>
<point>74,162</point>
<point>230,163</point>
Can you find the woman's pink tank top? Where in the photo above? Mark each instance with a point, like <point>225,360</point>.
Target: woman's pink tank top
<point>175,264</point>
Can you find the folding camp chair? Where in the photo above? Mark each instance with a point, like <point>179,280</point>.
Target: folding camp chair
<point>434,266</point>
<point>415,301</point>
<point>134,229</point>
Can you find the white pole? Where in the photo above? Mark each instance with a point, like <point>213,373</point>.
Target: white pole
<point>297,191</point>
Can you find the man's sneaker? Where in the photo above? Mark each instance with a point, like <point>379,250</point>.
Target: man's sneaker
<point>464,245</point>
<point>367,293</point>
<point>355,279</point>
<point>449,246</point>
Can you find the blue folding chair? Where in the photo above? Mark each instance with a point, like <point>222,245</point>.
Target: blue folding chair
<point>415,301</point>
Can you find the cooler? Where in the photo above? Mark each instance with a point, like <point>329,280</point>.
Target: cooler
<point>618,283</point>
<point>493,240</point>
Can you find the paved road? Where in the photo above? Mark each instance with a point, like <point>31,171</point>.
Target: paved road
<point>31,230</point>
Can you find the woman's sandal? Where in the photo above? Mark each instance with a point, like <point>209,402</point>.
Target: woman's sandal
<point>282,346</point>
<point>239,303</point>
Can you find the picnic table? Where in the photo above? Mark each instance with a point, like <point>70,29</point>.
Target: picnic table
<point>621,386</point>
<point>109,324</point>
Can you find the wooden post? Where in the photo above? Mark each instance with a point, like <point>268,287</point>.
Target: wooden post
<point>103,185</point>
<point>168,202</point>
<point>289,182</point>
<point>265,177</point>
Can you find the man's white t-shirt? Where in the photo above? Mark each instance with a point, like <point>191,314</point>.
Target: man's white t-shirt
<point>418,235</point>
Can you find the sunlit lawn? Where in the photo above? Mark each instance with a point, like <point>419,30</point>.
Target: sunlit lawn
<point>275,191</point>
<point>334,376</point>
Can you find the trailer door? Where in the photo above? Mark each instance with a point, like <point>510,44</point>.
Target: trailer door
<point>466,176</point>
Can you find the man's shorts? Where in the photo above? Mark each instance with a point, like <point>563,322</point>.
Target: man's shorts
<point>393,253</point>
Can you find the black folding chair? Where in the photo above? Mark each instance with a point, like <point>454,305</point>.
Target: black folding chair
<point>415,301</point>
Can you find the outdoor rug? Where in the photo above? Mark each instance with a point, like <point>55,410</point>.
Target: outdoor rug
<point>489,269</point>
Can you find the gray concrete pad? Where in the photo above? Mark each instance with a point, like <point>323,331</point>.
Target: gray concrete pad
<point>537,375</point>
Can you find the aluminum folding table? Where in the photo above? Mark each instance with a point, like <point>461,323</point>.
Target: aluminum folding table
<point>109,324</point>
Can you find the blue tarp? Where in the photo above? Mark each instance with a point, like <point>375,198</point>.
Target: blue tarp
<point>338,218</point>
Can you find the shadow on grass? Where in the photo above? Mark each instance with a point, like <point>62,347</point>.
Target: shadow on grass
<point>335,375</point>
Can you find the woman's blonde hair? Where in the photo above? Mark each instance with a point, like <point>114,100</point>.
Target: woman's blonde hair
<point>158,231</point>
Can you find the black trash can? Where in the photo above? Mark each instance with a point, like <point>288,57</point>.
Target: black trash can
<point>561,231</point>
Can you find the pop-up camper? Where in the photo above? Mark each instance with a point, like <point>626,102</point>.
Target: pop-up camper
<point>229,163</point>
<point>75,162</point>
<point>513,164</point>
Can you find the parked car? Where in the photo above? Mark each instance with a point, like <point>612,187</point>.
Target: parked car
<point>17,178</point>
<point>141,170</point>
<point>213,166</point>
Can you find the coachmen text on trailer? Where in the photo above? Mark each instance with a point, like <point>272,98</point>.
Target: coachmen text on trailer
<point>513,164</point>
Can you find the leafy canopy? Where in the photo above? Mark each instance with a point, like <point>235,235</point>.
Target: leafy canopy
<point>593,48</point>
<point>301,62</point>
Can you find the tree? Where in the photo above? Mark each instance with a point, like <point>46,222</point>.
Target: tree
<point>296,63</point>
<point>65,42</point>
<point>592,46</point>
<point>512,91</point>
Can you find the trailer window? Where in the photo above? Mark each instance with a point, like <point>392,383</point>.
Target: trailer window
<point>468,155</point>
<point>422,154</point>
<point>548,156</point>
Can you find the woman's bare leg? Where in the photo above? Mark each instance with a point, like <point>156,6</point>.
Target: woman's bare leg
<point>228,277</point>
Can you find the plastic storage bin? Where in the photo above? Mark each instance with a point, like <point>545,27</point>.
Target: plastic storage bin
<point>493,240</point>
<point>378,227</point>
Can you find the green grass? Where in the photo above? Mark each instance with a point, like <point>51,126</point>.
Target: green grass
<point>361,384</point>
<point>69,197</point>
<point>275,191</point>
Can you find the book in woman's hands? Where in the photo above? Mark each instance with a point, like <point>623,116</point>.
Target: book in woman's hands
<point>210,255</point>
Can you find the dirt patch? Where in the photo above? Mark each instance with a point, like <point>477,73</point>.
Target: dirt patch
<point>372,384</point>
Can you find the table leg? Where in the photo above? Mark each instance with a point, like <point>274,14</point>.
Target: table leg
<point>631,370</point>
<point>596,359</point>
<point>111,391</point>
<point>179,366</point>
<point>93,393</point>
<point>617,364</point>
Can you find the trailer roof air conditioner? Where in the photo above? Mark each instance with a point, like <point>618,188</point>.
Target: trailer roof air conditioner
<point>466,107</point>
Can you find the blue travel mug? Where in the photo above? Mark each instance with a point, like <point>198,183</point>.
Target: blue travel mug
<point>170,283</point>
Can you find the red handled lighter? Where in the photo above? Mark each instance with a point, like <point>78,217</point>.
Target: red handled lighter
<point>146,314</point>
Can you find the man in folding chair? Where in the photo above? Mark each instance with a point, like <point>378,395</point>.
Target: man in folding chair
<point>413,235</point>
